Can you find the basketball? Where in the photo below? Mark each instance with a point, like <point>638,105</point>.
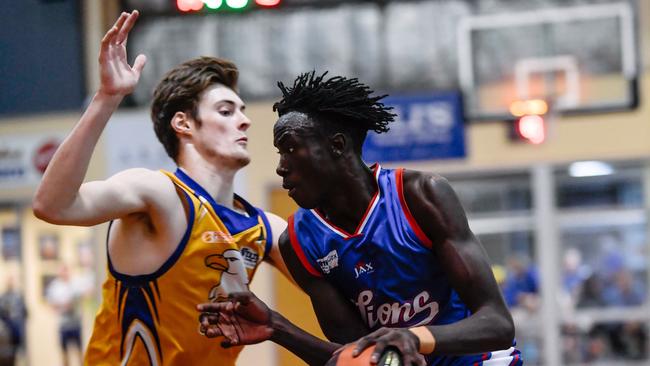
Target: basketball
<point>390,357</point>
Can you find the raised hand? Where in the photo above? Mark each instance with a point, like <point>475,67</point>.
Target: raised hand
<point>402,339</point>
<point>242,319</point>
<point>117,77</point>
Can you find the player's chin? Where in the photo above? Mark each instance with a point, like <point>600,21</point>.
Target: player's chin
<point>242,159</point>
<point>390,357</point>
<point>301,200</point>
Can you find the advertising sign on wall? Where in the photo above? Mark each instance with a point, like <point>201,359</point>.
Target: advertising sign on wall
<point>427,126</point>
<point>23,158</point>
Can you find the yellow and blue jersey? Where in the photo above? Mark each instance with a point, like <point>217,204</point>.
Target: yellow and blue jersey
<point>152,319</point>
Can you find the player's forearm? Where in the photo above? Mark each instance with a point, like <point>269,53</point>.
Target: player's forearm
<point>66,171</point>
<point>484,331</point>
<point>312,350</point>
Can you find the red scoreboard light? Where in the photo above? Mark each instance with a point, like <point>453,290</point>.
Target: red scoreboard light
<point>268,3</point>
<point>189,5</point>
<point>531,128</point>
<point>529,123</point>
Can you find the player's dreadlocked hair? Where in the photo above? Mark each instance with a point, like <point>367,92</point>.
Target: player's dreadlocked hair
<point>338,103</point>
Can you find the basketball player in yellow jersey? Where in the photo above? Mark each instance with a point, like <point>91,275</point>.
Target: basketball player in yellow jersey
<point>176,239</point>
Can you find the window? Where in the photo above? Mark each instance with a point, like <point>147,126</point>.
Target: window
<point>599,247</point>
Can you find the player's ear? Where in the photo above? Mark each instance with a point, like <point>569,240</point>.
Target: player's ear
<point>181,123</point>
<point>338,144</point>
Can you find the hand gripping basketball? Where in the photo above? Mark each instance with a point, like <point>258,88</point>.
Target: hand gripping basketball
<point>390,357</point>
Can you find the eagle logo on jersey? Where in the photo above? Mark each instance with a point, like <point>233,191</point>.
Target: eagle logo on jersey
<point>233,274</point>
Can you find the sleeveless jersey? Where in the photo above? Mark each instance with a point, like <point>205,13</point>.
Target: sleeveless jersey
<point>152,319</point>
<point>386,267</point>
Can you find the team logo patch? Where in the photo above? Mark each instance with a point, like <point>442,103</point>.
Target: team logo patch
<point>362,268</point>
<point>329,262</point>
<point>214,237</point>
<point>233,278</point>
<point>397,313</point>
<point>250,257</point>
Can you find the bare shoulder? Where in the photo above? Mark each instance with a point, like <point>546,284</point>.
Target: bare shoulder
<point>278,229</point>
<point>140,176</point>
<point>277,223</point>
<point>426,185</point>
<point>146,181</point>
<point>162,201</point>
<point>152,187</point>
<point>434,205</point>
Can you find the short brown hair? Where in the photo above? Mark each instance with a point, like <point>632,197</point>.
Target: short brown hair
<point>180,90</point>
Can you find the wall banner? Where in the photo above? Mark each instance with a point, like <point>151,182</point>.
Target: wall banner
<point>23,158</point>
<point>427,126</point>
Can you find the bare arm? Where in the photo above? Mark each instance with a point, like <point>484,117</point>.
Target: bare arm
<point>440,215</point>
<point>254,322</point>
<point>438,212</point>
<point>61,198</point>
<point>278,226</point>
<point>337,317</point>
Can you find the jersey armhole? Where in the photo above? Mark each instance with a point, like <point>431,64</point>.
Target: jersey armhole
<point>424,239</point>
<point>169,262</point>
<point>297,248</point>
<point>269,233</point>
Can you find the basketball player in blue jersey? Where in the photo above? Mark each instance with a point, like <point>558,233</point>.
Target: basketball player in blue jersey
<point>176,238</point>
<point>388,247</point>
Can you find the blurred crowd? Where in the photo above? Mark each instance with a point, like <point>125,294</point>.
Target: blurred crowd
<point>65,294</point>
<point>607,283</point>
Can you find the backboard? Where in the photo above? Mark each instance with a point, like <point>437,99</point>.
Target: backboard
<point>579,59</point>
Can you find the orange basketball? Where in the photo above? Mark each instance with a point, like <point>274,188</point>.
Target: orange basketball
<point>390,357</point>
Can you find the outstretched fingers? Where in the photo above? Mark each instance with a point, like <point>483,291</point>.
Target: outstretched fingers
<point>109,37</point>
<point>206,320</point>
<point>228,328</point>
<point>213,325</point>
<point>215,307</point>
<point>125,26</point>
<point>121,19</point>
<point>106,42</point>
<point>117,76</point>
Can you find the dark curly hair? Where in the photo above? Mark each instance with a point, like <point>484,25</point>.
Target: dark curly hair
<point>180,90</point>
<point>338,104</point>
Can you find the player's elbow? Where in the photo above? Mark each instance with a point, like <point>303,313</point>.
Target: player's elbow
<point>44,211</point>
<point>504,332</point>
<point>40,209</point>
<point>41,212</point>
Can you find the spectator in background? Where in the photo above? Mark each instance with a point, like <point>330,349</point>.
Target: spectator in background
<point>623,290</point>
<point>521,286</point>
<point>590,294</point>
<point>574,272</point>
<point>65,294</point>
<point>14,314</point>
<point>7,353</point>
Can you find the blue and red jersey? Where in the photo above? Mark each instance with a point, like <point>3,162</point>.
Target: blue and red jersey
<point>386,267</point>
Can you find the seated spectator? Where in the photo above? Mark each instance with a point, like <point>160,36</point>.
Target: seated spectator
<point>521,285</point>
